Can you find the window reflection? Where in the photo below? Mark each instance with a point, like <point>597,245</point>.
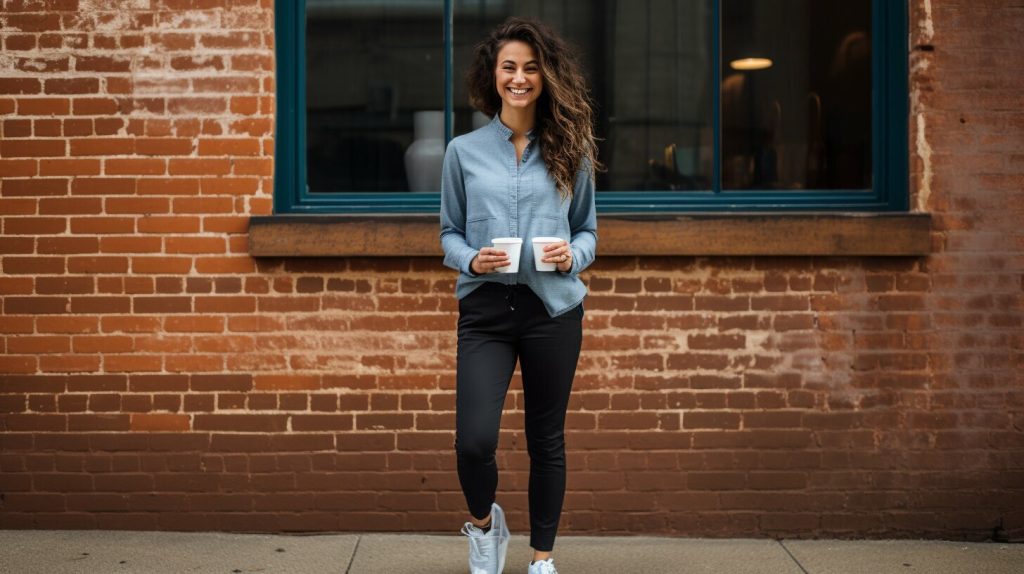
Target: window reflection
<point>802,118</point>
<point>374,84</point>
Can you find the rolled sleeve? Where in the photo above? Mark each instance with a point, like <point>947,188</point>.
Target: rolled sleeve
<point>458,254</point>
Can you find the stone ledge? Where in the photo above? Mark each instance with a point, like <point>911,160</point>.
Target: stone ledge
<point>634,234</point>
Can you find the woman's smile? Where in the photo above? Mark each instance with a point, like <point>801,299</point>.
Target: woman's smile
<point>518,77</point>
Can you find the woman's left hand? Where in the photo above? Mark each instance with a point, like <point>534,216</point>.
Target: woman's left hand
<point>560,254</point>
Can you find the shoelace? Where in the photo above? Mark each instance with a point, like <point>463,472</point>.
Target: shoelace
<point>483,549</point>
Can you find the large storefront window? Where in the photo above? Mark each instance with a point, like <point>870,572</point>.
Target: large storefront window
<point>701,104</point>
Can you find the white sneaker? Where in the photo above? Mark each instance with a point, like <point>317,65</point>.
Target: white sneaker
<point>487,550</point>
<point>543,567</point>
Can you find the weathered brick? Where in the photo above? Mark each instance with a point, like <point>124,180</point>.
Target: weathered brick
<point>137,143</point>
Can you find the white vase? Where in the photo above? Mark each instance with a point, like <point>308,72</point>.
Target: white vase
<point>425,157</point>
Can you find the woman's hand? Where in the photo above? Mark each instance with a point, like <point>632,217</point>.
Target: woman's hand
<point>489,259</point>
<point>560,254</point>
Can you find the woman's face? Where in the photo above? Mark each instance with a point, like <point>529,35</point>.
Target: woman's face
<point>517,77</point>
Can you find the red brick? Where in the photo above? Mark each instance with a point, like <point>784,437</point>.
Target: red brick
<point>242,84</point>
<point>103,186</point>
<point>199,166</point>
<point>49,167</point>
<point>17,128</point>
<point>195,245</point>
<point>102,146</point>
<point>135,167</point>
<point>95,106</point>
<point>78,127</point>
<point>34,305</point>
<point>231,40</point>
<point>102,64</point>
<point>168,224</point>
<point>19,86</point>
<point>18,167</point>
<point>97,265</point>
<point>33,265</point>
<point>130,244</point>
<point>164,146</point>
<point>231,147</point>
<point>34,187</point>
<point>137,205</point>
<point>10,245</point>
<point>196,105</point>
<point>168,186</point>
<point>82,85</point>
<point>173,41</point>
<point>70,205</point>
<point>245,105</point>
<point>161,265</point>
<point>34,225</point>
<point>43,106</point>
<point>132,363</point>
<point>20,42</point>
<point>47,128</point>
<point>197,62</point>
<point>32,148</point>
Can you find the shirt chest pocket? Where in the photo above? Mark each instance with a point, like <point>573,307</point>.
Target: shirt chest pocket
<point>480,230</point>
<point>550,211</point>
<point>552,225</point>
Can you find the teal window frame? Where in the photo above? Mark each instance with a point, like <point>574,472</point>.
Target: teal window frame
<point>889,95</point>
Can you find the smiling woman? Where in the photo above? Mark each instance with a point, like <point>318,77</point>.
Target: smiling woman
<point>518,78</point>
<point>527,174</point>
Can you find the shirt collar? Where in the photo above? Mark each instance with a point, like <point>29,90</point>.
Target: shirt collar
<point>506,132</point>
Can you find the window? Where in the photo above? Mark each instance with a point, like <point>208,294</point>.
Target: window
<point>702,105</point>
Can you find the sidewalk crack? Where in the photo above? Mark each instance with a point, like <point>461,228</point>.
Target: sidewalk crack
<point>795,561</point>
<point>352,558</point>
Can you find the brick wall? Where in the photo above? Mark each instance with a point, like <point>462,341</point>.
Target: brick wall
<point>157,377</point>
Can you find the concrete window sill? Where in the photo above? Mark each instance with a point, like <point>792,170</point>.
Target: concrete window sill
<point>416,235</point>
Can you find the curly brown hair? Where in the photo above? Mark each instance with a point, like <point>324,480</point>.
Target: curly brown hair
<point>565,112</point>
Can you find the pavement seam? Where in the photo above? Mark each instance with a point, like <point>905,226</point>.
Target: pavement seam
<point>352,558</point>
<point>795,561</point>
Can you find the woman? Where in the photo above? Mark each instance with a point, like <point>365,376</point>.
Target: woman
<point>529,173</point>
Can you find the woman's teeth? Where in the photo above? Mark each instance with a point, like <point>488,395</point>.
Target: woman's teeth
<point>518,92</point>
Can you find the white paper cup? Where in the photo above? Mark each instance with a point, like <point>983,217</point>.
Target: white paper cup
<point>511,245</point>
<point>538,252</point>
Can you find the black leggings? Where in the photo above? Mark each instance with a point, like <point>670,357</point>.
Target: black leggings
<point>498,323</point>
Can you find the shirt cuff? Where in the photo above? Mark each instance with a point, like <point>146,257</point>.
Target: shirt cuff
<point>574,268</point>
<point>467,264</point>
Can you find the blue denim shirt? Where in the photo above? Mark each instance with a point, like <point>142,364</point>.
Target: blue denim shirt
<point>485,194</point>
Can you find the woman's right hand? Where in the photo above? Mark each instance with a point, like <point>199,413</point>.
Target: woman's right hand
<point>489,259</point>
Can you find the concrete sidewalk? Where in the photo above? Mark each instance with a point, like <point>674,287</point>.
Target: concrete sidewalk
<point>102,552</point>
